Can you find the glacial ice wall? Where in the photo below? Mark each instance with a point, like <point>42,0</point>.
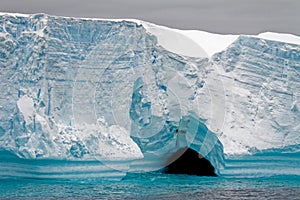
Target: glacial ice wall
<point>261,83</point>
<point>102,90</point>
<point>83,89</point>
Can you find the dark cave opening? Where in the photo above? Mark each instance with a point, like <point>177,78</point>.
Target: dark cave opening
<point>190,162</point>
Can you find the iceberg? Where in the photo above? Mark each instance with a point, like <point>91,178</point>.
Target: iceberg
<point>130,94</point>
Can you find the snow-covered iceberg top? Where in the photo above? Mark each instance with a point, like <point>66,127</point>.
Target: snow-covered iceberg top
<point>192,43</point>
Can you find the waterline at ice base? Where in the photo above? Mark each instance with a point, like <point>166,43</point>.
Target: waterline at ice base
<point>97,99</point>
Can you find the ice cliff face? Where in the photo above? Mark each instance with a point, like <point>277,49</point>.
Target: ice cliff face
<point>261,82</point>
<point>98,89</point>
<point>49,87</point>
<point>92,89</point>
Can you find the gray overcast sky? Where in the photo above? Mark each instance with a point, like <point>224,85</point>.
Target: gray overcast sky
<point>221,16</point>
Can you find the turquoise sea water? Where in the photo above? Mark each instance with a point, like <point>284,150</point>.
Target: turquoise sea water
<point>157,186</point>
<point>264,176</point>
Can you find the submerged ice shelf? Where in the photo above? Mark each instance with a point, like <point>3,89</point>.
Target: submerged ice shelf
<point>130,94</point>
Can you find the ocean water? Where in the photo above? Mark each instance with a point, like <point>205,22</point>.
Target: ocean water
<point>264,176</point>
<point>156,186</point>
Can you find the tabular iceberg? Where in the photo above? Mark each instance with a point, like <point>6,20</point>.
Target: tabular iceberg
<point>119,92</point>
